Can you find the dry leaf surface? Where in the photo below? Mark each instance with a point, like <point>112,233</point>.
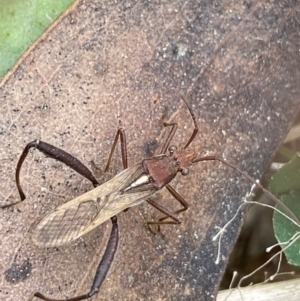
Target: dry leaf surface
<point>236,64</point>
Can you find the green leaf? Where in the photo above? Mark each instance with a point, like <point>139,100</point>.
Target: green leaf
<point>287,178</point>
<point>21,23</point>
<point>286,183</point>
<point>285,229</point>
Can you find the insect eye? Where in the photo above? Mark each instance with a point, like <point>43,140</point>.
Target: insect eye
<point>185,171</point>
<point>172,149</point>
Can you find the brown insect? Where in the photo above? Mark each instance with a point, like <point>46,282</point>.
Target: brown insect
<point>127,189</point>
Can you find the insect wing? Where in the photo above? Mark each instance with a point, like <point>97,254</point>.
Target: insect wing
<point>82,214</point>
<point>65,225</point>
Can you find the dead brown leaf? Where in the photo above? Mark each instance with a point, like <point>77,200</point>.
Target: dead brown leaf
<point>236,64</point>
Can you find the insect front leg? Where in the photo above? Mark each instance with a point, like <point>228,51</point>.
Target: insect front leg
<point>102,269</point>
<point>196,129</point>
<point>168,214</point>
<point>170,136</point>
<point>174,129</point>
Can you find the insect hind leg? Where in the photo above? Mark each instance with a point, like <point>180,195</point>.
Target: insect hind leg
<point>102,269</point>
<point>54,153</point>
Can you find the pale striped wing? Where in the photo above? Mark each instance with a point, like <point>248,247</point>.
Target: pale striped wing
<point>82,214</point>
<point>63,226</point>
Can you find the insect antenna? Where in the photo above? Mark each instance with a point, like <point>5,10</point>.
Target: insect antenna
<point>256,183</point>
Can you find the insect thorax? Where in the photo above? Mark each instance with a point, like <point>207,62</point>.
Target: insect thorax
<point>161,169</point>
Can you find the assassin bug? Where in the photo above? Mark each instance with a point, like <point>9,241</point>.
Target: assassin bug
<point>127,189</point>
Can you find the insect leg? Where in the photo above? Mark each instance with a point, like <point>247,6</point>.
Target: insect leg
<point>170,136</point>
<point>103,266</point>
<point>174,128</point>
<point>168,214</point>
<point>112,243</point>
<point>120,134</point>
<point>55,153</point>
<point>196,129</point>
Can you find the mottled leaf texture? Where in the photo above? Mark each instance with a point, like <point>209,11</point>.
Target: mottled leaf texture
<point>237,65</point>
